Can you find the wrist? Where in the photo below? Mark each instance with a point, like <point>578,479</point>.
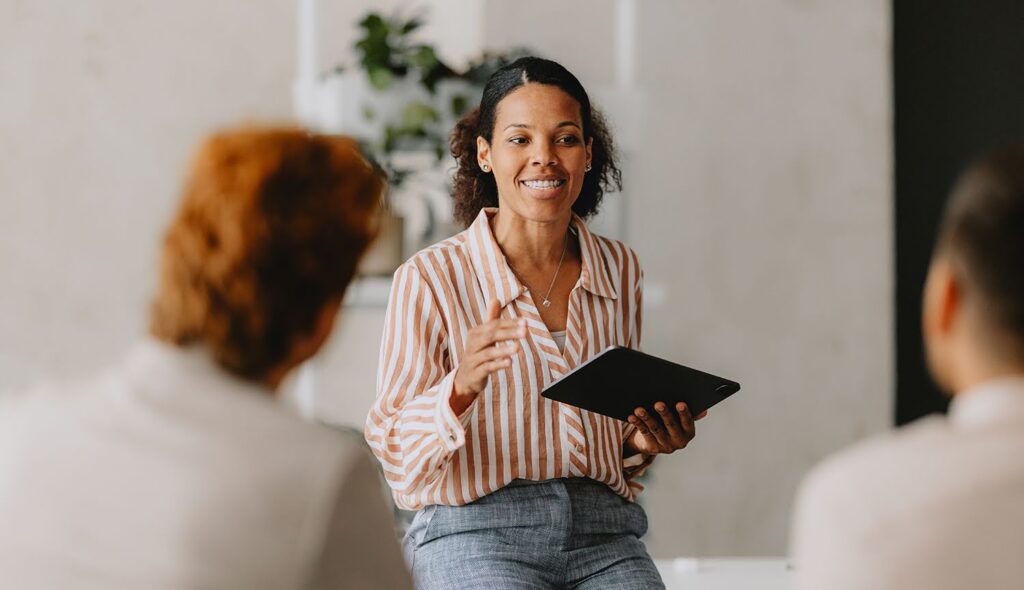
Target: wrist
<point>460,400</point>
<point>628,447</point>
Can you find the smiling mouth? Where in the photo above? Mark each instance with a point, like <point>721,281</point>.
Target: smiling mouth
<point>544,184</point>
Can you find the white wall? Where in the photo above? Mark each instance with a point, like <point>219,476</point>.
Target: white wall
<point>759,201</point>
<point>101,103</point>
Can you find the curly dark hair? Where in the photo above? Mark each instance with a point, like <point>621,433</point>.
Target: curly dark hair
<point>269,231</point>
<point>473,189</point>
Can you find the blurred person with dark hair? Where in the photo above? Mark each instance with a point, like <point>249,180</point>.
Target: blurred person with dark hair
<point>176,467</point>
<point>940,504</point>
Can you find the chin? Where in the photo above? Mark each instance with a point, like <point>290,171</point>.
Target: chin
<point>548,211</point>
<point>549,205</point>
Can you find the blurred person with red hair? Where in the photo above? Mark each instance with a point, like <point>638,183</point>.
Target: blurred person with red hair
<point>176,467</point>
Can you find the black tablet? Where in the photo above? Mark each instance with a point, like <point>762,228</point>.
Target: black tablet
<point>619,380</point>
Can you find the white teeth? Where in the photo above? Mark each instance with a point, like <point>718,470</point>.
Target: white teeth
<point>543,184</point>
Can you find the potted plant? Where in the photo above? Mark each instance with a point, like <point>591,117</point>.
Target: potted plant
<point>402,100</point>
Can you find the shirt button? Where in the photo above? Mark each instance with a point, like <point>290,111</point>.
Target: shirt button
<point>579,448</point>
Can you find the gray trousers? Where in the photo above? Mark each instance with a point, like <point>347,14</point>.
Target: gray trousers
<point>560,533</point>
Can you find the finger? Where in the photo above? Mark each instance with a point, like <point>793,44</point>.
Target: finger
<point>494,366</point>
<point>656,429</point>
<point>701,416</point>
<point>503,324</point>
<point>686,420</point>
<point>496,352</point>
<point>486,335</point>
<point>649,441</point>
<point>640,426</point>
<point>493,310</point>
<point>503,335</point>
<point>486,332</point>
<point>670,419</point>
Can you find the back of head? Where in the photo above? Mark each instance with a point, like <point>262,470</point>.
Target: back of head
<point>983,238</point>
<point>268,234</point>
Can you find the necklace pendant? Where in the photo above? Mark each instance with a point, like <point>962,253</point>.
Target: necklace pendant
<point>546,303</point>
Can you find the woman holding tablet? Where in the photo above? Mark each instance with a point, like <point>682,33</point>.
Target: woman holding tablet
<point>514,490</point>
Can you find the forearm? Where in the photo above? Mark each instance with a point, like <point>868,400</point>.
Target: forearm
<point>415,439</point>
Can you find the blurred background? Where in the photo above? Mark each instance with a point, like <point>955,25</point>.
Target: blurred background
<point>772,164</point>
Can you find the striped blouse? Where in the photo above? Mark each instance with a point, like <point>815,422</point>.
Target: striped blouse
<point>433,456</point>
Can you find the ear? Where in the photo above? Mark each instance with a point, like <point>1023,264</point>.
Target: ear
<point>950,303</point>
<point>943,299</point>
<point>590,151</point>
<point>483,153</point>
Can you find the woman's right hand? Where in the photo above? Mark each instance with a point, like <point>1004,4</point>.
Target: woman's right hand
<point>489,348</point>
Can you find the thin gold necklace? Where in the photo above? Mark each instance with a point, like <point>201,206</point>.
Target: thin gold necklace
<point>547,301</point>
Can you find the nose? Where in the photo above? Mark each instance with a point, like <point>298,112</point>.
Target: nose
<point>543,155</point>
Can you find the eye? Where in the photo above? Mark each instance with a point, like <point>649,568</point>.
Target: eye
<point>518,140</point>
<point>568,140</point>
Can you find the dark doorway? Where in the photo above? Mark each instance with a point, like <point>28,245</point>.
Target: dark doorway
<point>958,72</point>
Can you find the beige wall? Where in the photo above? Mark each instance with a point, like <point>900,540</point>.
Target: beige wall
<point>101,103</point>
<point>758,199</point>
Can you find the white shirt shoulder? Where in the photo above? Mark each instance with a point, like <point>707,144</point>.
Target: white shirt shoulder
<point>933,505</point>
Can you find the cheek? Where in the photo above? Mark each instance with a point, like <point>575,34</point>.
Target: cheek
<point>579,163</point>
<point>506,166</point>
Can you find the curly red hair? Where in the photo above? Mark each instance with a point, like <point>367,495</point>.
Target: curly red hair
<point>269,232</point>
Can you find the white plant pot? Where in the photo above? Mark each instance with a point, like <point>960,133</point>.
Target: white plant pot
<point>348,104</point>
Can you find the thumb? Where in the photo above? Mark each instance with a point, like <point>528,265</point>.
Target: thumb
<point>493,309</point>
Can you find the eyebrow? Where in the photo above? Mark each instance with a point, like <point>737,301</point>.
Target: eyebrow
<point>560,125</point>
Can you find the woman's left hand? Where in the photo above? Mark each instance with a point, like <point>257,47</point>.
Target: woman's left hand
<point>665,432</point>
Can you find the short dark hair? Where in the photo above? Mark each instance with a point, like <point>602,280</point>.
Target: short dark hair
<point>982,234</point>
<point>473,189</point>
<point>270,228</point>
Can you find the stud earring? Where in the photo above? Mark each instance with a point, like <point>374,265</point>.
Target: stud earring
<point>485,167</point>
<point>587,169</point>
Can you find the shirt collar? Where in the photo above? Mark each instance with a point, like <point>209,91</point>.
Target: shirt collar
<point>498,280</point>
<point>180,370</point>
<point>992,402</point>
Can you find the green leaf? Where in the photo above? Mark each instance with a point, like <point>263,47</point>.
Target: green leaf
<point>416,115</point>
<point>424,57</point>
<point>380,77</point>
<point>373,47</point>
<point>391,136</point>
<point>372,22</point>
<point>411,25</point>
<point>460,104</point>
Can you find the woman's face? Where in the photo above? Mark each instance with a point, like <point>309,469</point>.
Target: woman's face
<point>537,153</point>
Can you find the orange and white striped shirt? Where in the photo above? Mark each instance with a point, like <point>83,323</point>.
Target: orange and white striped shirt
<point>432,456</point>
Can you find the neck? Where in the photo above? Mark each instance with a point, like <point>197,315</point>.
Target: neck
<point>973,380</point>
<point>528,242</point>
<point>275,376</point>
<point>976,369</point>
